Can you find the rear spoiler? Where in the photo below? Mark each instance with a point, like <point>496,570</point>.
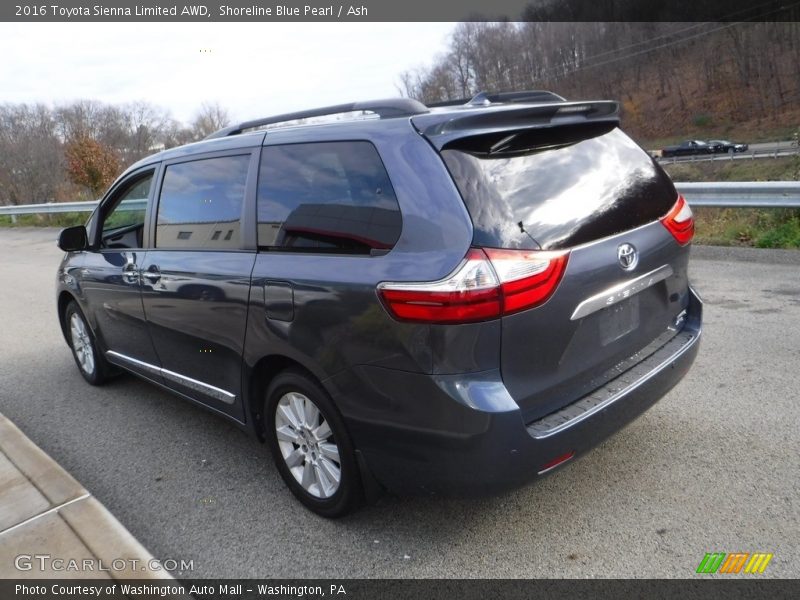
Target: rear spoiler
<point>444,127</point>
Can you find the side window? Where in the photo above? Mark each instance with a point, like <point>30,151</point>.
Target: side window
<point>123,226</point>
<point>201,204</point>
<point>326,197</point>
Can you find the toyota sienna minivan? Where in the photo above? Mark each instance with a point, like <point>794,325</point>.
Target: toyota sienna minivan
<point>433,299</point>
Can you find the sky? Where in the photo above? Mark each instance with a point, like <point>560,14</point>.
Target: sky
<point>252,69</point>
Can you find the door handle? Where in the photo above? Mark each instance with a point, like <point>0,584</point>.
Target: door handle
<point>152,274</point>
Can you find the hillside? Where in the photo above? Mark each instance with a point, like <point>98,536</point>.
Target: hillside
<point>673,80</point>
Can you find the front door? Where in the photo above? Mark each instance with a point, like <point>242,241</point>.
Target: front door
<point>110,276</point>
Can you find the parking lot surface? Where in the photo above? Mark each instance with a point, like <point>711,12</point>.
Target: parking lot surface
<point>714,466</point>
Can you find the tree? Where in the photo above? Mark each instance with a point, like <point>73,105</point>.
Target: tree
<point>210,118</point>
<point>148,125</point>
<point>30,154</point>
<point>91,164</point>
<point>665,73</point>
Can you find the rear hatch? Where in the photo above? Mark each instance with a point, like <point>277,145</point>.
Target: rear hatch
<point>536,179</point>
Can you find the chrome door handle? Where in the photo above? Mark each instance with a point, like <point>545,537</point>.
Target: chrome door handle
<point>153,275</point>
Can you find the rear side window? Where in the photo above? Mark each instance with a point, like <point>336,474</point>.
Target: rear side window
<point>556,187</point>
<point>326,197</point>
<point>201,204</point>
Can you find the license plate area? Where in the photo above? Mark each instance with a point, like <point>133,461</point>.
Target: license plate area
<point>618,320</point>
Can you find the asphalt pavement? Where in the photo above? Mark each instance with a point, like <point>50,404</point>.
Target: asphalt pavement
<point>714,466</point>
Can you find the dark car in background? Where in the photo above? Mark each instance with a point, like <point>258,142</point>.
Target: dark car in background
<point>727,147</point>
<point>432,299</point>
<point>687,148</point>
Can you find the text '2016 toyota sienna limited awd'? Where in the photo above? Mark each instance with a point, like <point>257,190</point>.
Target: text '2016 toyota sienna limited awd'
<point>434,299</point>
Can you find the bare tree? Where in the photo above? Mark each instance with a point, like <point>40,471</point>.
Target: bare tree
<point>210,118</point>
<point>668,75</point>
<point>147,126</point>
<point>30,154</point>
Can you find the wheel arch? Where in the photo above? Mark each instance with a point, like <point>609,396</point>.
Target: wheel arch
<point>259,378</point>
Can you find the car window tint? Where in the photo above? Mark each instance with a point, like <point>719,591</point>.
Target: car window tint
<point>326,197</point>
<point>200,198</point>
<point>557,187</point>
<point>130,207</point>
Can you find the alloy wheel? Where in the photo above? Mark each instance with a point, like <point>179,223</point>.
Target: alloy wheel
<point>307,445</point>
<point>82,343</point>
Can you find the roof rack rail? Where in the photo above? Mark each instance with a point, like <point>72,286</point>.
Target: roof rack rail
<point>392,107</point>
<point>485,98</point>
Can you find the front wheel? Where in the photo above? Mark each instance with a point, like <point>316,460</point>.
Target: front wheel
<point>91,363</point>
<point>310,445</point>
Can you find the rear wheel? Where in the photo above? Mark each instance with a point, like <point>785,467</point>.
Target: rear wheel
<point>310,445</point>
<point>91,364</point>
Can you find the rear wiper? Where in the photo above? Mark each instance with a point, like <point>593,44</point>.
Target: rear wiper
<point>504,147</point>
<point>502,144</point>
<point>522,229</point>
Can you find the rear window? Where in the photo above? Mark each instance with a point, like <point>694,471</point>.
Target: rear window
<point>330,197</point>
<point>556,187</point>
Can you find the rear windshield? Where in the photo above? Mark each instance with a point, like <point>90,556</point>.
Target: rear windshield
<point>556,187</point>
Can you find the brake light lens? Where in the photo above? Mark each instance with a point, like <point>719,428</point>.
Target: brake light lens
<point>527,278</point>
<point>488,284</point>
<point>680,221</point>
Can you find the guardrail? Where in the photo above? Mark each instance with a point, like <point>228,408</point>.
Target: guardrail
<point>747,194</point>
<point>51,208</point>
<point>750,194</point>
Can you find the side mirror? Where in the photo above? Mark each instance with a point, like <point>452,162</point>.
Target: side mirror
<point>73,239</point>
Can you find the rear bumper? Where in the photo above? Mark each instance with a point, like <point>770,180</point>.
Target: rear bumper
<point>469,437</point>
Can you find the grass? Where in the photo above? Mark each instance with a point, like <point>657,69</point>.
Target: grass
<point>748,227</point>
<point>54,220</point>
<point>785,168</point>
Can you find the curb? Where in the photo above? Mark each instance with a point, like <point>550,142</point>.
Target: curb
<point>52,527</point>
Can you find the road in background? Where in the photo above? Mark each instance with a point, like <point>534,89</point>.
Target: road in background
<point>760,150</point>
<point>715,466</point>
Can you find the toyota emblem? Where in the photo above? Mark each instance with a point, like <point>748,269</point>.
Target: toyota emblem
<point>627,256</point>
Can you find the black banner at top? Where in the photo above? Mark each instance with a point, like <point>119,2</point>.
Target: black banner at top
<point>398,10</point>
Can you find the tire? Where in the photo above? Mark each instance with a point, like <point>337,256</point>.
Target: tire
<point>91,363</point>
<point>296,411</point>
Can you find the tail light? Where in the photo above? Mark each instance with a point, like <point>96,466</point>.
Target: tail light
<point>680,221</point>
<point>488,284</point>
